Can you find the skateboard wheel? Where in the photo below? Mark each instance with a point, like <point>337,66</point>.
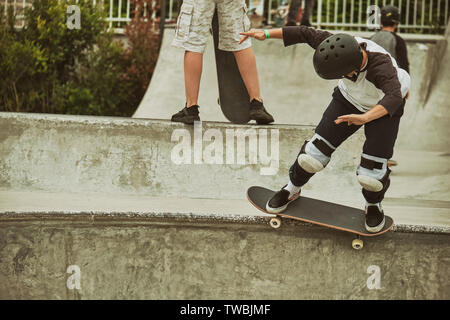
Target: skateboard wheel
<point>275,223</point>
<point>357,244</point>
<point>218,101</point>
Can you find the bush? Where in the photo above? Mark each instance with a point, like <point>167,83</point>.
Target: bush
<point>47,67</point>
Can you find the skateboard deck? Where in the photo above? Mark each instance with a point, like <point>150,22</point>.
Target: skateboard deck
<point>319,212</point>
<point>233,95</point>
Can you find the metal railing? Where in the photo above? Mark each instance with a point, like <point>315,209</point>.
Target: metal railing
<point>119,11</point>
<point>417,16</point>
<point>17,6</point>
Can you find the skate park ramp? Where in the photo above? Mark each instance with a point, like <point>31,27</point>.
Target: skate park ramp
<point>143,208</point>
<point>108,197</point>
<point>295,95</point>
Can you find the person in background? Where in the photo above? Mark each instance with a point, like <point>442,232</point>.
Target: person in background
<point>389,39</point>
<point>392,42</point>
<point>293,13</point>
<point>191,35</point>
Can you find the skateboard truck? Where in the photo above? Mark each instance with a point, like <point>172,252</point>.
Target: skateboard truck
<point>357,243</point>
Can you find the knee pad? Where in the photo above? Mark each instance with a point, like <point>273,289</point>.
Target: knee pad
<point>315,154</point>
<point>373,173</point>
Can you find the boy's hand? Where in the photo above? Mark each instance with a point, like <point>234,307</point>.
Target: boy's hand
<point>257,34</point>
<point>357,119</point>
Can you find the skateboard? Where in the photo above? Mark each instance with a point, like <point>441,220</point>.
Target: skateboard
<point>318,212</point>
<point>233,96</point>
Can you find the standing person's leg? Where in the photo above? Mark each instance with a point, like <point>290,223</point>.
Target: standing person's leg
<point>373,172</point>
<point>246,62</point>
<point>233,20</point>
<point>315,153</point>
<point>191,35</point>
<point>293,12</point>
<point>192,75</point>
<point>309,6</point>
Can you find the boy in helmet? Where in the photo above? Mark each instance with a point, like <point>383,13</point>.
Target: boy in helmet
<point>371,91</point>
<point>389,40</point>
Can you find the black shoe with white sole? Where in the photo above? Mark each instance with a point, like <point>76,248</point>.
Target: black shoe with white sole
<point>374,218</point>
<point>280,200</point>
<point>187,115</point>
<point>259,113</point>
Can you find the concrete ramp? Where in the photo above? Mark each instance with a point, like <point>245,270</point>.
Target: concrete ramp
<point>292,91</point>
<point>157,157</point>
<point>165,94</point>
<point>107,196</point>
<point>60,153</point>
<point>427,125</point>
<point>129,255</point>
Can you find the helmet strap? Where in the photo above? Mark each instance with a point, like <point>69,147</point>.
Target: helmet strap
<point>354,77</point>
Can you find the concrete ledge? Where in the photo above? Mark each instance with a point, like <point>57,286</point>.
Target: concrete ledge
<point>60,153</point>
<point>95,218</point>
<point>417,217</point>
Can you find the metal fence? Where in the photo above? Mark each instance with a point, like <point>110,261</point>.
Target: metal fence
<point>417,16</point>
<point>119,11</point>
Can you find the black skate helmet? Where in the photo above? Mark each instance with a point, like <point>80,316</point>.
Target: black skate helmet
<point>337,56</point>
<point>390,16</point>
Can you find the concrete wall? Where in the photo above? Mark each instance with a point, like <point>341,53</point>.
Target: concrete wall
<point>170,259</point>
<point>109,155</point>
<point>427,126</point>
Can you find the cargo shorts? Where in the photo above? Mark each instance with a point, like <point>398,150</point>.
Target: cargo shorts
<point>194,23</point>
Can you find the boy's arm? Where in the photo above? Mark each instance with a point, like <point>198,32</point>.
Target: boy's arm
<point>290,35</point>
<point>359,119</point>
<point>293,35</point>
<point>382,73</point>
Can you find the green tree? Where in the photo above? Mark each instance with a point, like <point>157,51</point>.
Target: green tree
<point>47,67</point>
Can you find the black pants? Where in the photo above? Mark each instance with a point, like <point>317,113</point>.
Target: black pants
<point>293,11</point>
<point>380,138</point>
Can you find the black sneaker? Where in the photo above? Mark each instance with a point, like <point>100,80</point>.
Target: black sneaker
<point>187,115</point>
<point>259,113</point>
<point>280,200</point>
<point>374,218</point>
